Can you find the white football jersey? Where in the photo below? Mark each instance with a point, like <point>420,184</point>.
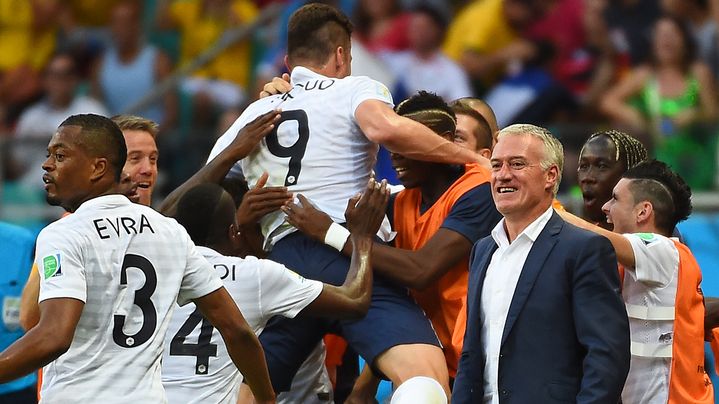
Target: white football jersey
<point>316,149</point>
<point>130,266</point>
<point>196,367</point>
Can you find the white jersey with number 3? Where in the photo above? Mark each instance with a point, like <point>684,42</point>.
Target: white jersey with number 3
<point>316,149</point>
<point>196,367</point>
<point>130,266</point>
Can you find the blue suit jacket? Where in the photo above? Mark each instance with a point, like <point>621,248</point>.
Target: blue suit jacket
<point>566,338</point>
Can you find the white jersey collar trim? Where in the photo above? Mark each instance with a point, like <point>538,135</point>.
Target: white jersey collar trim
<point>301,74</point>
<point>104,200</point>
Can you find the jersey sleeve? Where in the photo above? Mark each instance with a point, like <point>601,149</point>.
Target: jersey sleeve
<point>656,258</point>
<point>200,278</point>
<point>60,265</point>
<point>364,88</point>
<point>474,214</point>
<point>284,292</point>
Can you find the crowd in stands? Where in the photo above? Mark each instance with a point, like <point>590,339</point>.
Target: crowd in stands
<point>645,66</point>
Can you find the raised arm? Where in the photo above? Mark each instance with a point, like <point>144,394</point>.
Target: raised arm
<point>216,170</point>
<point>364,216</point>
<point>411,139</point>
<point>242,343</point>
<point>45,342</point>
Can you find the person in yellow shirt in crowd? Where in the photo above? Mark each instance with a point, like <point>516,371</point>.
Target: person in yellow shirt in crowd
<point>201,23</point>
<point>484,37</point>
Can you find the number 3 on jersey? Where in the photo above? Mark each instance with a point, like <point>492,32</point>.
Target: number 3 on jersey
<point>296,151</point>
<point>142,300</point>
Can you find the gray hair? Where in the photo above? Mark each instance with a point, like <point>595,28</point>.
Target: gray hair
<point>553,150</point>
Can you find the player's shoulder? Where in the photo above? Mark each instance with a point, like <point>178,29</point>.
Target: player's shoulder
<point>63,227</point>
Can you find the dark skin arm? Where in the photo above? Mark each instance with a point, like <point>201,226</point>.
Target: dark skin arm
<point>242,343</point>
<point>414,269</point>
<point>216,170</point>
<point>364,216</point>
<point>45,342</point>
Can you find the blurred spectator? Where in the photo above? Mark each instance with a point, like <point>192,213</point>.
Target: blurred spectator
<point>27,39</point>
<point>129,68</point>
<point>484,37</point>
<point>422,66</point>
<point>702,18</point>
<point>39,122</point>
<point>201,23</point>
<point>630,23</point>
<point>381,25</point>
<point>674,99</point>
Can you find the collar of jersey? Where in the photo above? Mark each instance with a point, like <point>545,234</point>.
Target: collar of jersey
<point>104,201</point>
<point>301,74</point>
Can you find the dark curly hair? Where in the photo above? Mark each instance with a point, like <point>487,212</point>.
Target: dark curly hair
<point>670,196</point>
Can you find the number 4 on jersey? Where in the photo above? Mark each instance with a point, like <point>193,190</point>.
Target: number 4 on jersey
<point>295,152</point>
<point>202,350</point>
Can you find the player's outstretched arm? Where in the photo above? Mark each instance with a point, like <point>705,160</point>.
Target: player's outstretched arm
<point>409,138</point>
<point>29,308</point>
<point>43,343</point>
<point>242,343</point>
<point>622,246</point>
<point>364,216</point>
<point>216,170</point>
<point>415,269</point>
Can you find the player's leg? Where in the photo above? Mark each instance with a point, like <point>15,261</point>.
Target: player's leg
<point>396,338</point>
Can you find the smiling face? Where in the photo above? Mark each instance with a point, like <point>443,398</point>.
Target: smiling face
<point>598,172</point>
<point>521,188</point>
<point>141,164</point>
<point>68,169</point>
<point>621,209</point>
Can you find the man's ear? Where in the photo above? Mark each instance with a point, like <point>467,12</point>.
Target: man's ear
<point>486,153</point>
<point>100,168</point>
<point>645,211</point>
<point>553,175</point>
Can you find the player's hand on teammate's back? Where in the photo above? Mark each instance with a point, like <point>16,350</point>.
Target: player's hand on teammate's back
<point>365,212</point>
<point>261,200</point>
<point>307,219</point>
<point>278,85</point>
<point>250,136</point>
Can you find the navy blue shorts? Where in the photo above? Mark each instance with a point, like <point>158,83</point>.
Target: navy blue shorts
<point>394,318</point>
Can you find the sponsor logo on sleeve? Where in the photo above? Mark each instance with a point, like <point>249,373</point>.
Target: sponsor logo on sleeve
<point>51,266</point>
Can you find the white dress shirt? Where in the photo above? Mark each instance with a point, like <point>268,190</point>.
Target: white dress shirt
<point>497,292</point>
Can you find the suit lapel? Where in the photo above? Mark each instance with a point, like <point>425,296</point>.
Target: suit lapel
<point>538,254</point>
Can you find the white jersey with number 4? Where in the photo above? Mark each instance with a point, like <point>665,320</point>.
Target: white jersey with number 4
<point>130,266</point>
<point>316,149</point>
<point>196,367</point>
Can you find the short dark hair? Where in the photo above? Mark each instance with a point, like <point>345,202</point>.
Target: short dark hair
<point>433,13</point>
<point>483,134</point>
<point>205,214</point>
<point>101,137</point>
<point>419,107</point>
<point>315,31</point>
<point>668,193</point>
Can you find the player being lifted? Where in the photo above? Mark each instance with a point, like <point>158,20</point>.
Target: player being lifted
<point>324,146</point>
<point>111,274</point>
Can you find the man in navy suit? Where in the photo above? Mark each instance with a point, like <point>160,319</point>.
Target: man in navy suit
<point>545,321</point>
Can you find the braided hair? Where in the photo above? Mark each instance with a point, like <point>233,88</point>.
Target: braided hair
<point>630,151</point>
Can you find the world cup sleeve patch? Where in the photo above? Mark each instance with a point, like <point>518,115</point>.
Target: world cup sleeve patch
<point>51,266</point>
<point>647,238</point>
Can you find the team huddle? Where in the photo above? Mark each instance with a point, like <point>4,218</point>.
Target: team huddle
<point>471,284</point>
